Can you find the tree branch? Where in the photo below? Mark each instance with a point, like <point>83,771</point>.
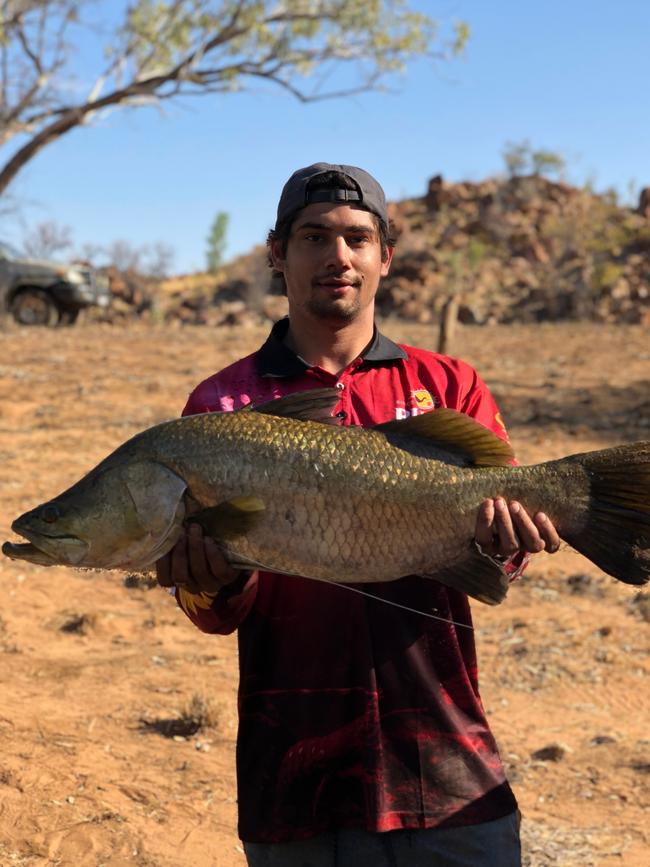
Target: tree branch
<point>185,48</point>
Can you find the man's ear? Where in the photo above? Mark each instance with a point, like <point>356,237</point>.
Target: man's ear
<point>385,265</point>
<point>277,256</point>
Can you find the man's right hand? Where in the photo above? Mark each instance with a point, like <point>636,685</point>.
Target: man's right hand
<point>196,563</point>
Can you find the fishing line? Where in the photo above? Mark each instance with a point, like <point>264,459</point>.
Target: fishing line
<point>398,605</point>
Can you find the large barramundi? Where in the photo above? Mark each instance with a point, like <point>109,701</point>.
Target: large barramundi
<point>279,489</point>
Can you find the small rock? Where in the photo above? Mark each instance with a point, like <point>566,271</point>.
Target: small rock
<point>579,584</point>
<point>549,753</point>
<point>641,605</point>
<point>597,740</point>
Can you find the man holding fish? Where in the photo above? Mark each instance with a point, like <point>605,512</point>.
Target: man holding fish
<point>362,737</point>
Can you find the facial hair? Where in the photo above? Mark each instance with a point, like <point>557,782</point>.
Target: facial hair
<point>322,306</point>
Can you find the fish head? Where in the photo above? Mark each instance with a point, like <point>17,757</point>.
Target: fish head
<point>125,514</point>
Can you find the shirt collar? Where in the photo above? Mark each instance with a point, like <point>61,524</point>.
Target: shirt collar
<point>274,358</point>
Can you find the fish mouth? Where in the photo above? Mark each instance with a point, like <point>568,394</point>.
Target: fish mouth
<point>45,550</point>
<point>26,551</point>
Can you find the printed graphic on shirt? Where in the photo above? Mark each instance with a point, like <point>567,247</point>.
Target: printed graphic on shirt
<point>502,425</point>
<point>190,602</point>
<point>422,401</point>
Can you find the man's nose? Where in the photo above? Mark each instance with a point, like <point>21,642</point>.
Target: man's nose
<point>338,254</point>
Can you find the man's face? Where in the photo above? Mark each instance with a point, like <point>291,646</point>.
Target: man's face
<point>332,265</point>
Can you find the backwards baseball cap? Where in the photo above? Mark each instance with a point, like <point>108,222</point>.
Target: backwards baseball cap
<point>296,193</point>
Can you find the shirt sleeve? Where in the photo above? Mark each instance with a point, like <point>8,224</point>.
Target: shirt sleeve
<point>478,403</point>
<point>204,398</point>
<point>222,613</point>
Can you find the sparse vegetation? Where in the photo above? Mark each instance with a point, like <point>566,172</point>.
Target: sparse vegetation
<point>47,240</point>
<point>216,242</point>
<point>77,624</point>
<point>522,159</point>
<point>201,711</point>
<point>197,714</point>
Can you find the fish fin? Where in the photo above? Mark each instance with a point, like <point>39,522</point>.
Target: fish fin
<point>476,576</point>
<point>314,405</point>
<point>455,432</point>
<point>616,534</point>
<point>234,517</point>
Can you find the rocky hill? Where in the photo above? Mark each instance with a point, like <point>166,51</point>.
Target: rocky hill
<point>523,249</point>
<point>526,249</point>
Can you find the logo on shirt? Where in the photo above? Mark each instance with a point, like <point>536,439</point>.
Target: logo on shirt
<point>422,401</point>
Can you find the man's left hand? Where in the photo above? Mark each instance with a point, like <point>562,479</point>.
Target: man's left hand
<point>504,528</point>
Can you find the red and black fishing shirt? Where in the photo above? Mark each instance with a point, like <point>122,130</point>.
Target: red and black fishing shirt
<point>354,713</point>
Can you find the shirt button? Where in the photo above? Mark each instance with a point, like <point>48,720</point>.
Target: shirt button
<point>341,414</point>
<point>340,386</point>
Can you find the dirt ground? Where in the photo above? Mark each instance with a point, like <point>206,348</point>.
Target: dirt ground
<point>118,718</point>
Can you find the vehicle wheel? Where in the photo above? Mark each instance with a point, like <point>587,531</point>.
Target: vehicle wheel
<point>34,307</point>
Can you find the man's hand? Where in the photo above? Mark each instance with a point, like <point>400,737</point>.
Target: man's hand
<point>503,528</point>
<point>195,563</point>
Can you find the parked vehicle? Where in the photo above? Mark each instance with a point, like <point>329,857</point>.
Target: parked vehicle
<point>47,293</point>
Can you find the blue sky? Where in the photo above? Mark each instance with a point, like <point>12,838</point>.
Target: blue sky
<point>571,76</point>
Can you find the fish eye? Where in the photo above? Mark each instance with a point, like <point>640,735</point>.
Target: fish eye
<point>50,513</point>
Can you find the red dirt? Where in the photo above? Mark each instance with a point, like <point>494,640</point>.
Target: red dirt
<point>99,763</point>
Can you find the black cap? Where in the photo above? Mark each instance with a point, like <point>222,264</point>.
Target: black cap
<point>296,194</point>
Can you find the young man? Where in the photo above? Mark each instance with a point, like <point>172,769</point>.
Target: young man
<point>362,738</point>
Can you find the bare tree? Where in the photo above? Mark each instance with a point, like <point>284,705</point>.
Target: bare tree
<point>90,252</point>
<point>47,239</point>
<point>167,48</point>
<point>160,260</point>
<point>124,256</point>
<point>153,260</point>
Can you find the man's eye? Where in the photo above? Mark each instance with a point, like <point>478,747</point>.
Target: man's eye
<point>357,240</point>
<point>313,238</point>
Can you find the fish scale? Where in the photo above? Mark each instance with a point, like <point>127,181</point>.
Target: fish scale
<point>362,509</point>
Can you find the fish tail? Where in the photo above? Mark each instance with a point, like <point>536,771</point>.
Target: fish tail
<point>616,534</point>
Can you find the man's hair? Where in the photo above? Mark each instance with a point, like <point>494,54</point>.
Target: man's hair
<point>328,181</point>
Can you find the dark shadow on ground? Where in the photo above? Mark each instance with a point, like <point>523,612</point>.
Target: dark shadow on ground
<point>624,411</point>
<point>170,728</point>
